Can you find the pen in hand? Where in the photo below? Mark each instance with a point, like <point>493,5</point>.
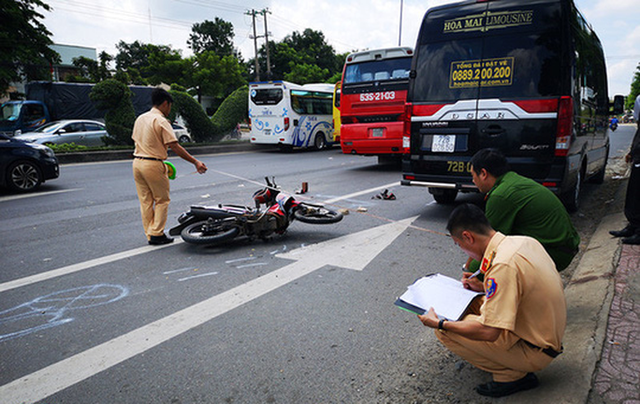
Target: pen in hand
<point>474,274</point>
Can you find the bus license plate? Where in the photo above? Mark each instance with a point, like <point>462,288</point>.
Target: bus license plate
<point>377,132</point>
<point>267,132</point>
<point>443,143</point>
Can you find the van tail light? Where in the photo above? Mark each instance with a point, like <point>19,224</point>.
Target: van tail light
<point>565,126</point>
<point>406,129</point>
<point>286,123</point>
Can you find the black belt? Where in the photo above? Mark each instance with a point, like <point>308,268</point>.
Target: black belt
<point>147,158</point>
<point>549,351</point>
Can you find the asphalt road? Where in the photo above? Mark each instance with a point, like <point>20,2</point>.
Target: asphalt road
<point>90,313</point>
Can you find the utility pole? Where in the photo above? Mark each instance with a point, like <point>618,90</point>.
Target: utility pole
<point>252,13</point>
<point>400,32</point>
<point>266,40</point>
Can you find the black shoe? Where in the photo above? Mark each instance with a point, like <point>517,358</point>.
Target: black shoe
<point>626,232</point>
<point>497,389</point>
<point>160,240</point>
<point>635,239</point>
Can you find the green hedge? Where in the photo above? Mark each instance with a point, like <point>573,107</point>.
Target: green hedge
<point>115,97</point>
<point>196,121</point>
<point>234,109</point>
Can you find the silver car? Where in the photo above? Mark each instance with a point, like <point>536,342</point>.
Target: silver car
<point>80,132</point>
<point>182,133</point>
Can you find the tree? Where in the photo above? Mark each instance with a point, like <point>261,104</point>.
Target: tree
<point>24,42</point>
<point>91,71</point>
<point>215,36</point>
<point>148,63</point>
<point>635,89</point>
<point>305,73</point>
<point>216,76</point>
<point>297,50</point>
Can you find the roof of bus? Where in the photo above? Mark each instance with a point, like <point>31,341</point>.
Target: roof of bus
<point>287,84</point>
<point>376,54</point>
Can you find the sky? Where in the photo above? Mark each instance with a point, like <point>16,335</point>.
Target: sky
<point>347,25</point>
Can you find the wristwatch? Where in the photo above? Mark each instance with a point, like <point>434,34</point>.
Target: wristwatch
<point>441,324</point>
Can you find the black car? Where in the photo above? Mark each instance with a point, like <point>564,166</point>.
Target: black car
<point>25,166</point>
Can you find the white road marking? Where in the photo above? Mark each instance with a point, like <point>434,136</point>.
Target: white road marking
<point>34,194</point>
<point>81,266</point>
<point>197,276</point>
<point>136,251</point>
<point>353,251</point>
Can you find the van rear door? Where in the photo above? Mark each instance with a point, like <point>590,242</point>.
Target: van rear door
<point>487,74</point>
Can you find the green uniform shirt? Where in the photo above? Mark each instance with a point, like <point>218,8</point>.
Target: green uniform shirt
<point>517,205</point>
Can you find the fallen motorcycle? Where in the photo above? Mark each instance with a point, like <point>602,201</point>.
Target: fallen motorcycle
<point>210,225</point>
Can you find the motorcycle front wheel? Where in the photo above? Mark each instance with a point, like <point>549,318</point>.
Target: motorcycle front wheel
<point>208,233</point>
<point>316,214</point>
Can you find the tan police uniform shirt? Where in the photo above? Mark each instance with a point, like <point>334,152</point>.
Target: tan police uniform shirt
<point>524,293</point>
<point>152,132</point>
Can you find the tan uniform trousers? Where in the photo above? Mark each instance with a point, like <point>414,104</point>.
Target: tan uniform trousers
<point>505,365</point>
<point>152,184</point>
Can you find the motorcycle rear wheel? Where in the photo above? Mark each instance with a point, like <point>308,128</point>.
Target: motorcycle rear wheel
<point>195,234</point>
<point>316,214</point>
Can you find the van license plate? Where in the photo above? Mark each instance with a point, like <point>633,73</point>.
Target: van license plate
<point>267,132</point>
<point>443,143</point>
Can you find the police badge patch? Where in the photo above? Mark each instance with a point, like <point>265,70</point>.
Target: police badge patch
<point>492,287</point>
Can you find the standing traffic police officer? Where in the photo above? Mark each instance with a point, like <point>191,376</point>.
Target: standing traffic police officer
<point>152,135</point>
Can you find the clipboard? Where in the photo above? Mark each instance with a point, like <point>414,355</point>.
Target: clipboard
<point>446,295</point>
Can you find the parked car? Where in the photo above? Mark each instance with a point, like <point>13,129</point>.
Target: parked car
<point>181,133</point>
<point>80,132</point>
<point>25,166</point>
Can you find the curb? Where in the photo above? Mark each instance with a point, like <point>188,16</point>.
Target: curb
<point>589,293</point>
<point>109,155</point>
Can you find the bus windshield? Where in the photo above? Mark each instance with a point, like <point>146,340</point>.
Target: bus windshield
<point>378,70</point>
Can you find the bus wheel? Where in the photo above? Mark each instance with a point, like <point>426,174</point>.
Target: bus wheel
<point>319,142</point>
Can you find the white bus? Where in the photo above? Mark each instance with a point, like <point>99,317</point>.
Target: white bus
<point>291,115</point>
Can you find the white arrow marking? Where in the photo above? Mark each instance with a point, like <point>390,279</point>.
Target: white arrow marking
<point>352,251</point>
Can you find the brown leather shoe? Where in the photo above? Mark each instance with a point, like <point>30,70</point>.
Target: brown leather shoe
<point>160,240</point>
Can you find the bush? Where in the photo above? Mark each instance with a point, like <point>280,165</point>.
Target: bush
<point>196,121</point>
<point>67,147</point>
<point>234,109</point>
<point>115,97</point>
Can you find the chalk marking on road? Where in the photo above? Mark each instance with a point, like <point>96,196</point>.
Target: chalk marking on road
<point>81,266</point>
<point>50,310</point>
<point>33,195</point>
<point>354,251</point>
<point>197,276</point>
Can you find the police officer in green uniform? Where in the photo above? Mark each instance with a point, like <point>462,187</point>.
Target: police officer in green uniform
<point>516,205</point>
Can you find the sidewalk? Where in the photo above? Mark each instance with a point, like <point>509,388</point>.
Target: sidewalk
<point>601,360</point>
<point>617,377</point>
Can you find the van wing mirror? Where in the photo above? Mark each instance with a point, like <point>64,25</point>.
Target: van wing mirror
<point>618,104</point>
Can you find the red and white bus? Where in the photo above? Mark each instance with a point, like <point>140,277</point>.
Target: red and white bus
<point>373,94</point>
